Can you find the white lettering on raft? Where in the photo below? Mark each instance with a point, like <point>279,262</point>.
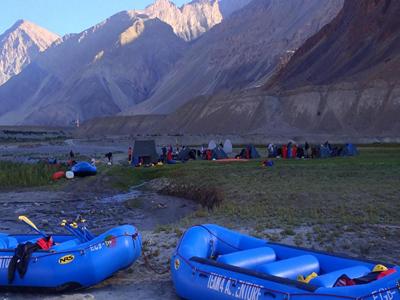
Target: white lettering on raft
<point>383,294</point>
<point>5,262</point>
<point>243,290</point>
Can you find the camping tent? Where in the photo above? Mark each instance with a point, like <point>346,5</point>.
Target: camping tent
<point>146,151</point>
<point>219,153</point>
<point>253,152</point>
<point>212,145</point>
<point>324,152</point>
<point>250,152</point>
<point>228,146</point>
<point>187,154</point>
<point>349,150</point>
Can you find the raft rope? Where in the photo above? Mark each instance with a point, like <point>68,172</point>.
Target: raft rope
<point>267,290</point>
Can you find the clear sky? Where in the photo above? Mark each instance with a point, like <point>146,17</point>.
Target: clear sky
<point>65,16</point>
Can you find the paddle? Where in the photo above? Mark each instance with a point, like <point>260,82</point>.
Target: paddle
<point>73,228</point>
<point>32,225</point>
<point>85,231</point>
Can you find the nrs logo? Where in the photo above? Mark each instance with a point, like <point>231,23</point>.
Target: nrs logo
<point>66,259</point>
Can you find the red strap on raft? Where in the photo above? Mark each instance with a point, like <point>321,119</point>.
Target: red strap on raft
<point>386,273</point>
<point>344,281</point>
<point>45,243</point>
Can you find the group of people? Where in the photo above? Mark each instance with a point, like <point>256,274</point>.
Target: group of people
<point>72,161</point>
<point>292,150</point>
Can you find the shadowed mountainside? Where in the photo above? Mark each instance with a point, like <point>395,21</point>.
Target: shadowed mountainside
<point>241,52</point>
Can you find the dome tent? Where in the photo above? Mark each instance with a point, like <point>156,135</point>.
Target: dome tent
<point>228,146</point>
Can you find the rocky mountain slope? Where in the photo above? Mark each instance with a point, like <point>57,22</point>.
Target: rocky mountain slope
<point>194,18</point>
<point>349,72</point>
<point>21,44</point>
<point>361,44</point>
<point>343,81</point>
<point>100,71</point>
<point>189,21</point>
<point>241,52</point>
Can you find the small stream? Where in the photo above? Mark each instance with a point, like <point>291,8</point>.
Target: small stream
<point>144,209</point>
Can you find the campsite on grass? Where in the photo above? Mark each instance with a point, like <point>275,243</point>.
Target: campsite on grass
<point>339,198</point>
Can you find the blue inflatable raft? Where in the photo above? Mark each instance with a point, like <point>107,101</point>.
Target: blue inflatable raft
<point>83,169</point>
<point>70,264</point>
<point>212,262</point>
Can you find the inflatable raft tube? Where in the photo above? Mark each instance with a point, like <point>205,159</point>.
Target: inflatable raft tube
<point>212,262</point>
<point>83,169</point>
<point>58,175</point>
<point>70,264</point>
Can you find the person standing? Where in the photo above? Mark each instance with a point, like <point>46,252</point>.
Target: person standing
<point>109,157</point>
<point>284,151</point>
<point>169,155</point>
<point>307,149</point>
<point>130,154</point>
<point>294,151</point>
<point>164,154</point>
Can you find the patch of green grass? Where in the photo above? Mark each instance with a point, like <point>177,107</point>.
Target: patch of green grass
<point>14,175</point>
<point>124,178</point>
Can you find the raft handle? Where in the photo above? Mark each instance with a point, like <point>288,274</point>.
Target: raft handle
<point>203,275</point>
<point>269,294</point>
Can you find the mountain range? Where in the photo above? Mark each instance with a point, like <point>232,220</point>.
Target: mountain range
<point>108,68</point>
<point>278,67</point>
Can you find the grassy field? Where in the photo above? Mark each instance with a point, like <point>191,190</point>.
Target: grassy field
<point>346,205</point>
<point>352,190</point>
<point>17,175</point>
